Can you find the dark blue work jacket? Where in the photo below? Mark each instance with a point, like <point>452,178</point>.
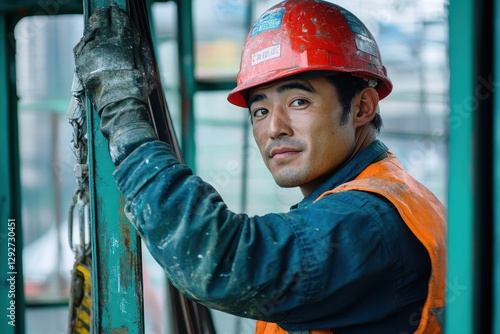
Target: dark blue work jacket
<point>347,261</point>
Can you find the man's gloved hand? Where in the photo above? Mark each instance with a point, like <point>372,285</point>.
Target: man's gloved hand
<point>115,68</point>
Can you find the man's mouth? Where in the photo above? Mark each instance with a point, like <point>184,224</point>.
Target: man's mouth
<point>279,154</point>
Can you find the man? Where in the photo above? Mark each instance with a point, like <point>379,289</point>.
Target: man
<point>363,252</point>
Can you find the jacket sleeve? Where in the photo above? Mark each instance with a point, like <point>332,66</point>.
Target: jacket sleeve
<point>221,259</point>
<point>265,267</point>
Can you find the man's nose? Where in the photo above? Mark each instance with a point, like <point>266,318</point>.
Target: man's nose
<point>279,124</point>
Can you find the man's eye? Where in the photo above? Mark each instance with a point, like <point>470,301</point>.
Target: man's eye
<point>260,112</point>
<point>298,103</point>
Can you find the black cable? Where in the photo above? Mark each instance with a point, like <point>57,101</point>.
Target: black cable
<point>197,318</point>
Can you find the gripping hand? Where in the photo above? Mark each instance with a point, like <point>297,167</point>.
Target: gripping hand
<point>114,66</point>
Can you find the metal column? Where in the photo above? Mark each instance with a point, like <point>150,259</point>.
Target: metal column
<point>469,282</point>
<point>185,38</point>
<point>11,278</point>
<point>459,300</point>
<point>116,270</point>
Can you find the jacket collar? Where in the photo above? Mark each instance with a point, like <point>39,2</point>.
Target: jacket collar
<point>375,152</point>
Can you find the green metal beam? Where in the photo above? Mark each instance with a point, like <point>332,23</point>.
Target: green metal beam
<point>41,7</point>
<point>11,271</point>
<point>459,311</point>
<point>471,207</point>
<point>44,7</point>
<point>185,40</point>
<point>116,271</point>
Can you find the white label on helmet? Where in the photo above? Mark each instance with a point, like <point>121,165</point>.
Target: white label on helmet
<point>266,54</point>
<point>269,21</point>
<point>362,37</point>
<point>366,45</point>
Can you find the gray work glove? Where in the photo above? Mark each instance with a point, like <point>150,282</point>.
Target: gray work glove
<point>115,67</point>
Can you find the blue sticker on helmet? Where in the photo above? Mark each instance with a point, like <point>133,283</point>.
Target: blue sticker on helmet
<point>356,26</point>
<point>363,40</point>
<point>269,21</point>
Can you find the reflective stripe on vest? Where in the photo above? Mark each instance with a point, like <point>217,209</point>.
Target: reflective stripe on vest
<point>424,215</point>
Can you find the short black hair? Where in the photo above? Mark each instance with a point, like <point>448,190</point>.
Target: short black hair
<point>347,86</point>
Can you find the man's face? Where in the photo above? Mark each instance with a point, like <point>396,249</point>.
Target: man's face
<point>296,124</point>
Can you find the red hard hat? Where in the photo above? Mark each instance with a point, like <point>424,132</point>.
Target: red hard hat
<point>299,36</point>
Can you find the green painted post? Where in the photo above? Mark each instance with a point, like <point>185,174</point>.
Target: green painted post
<point>459,310</point>
<point>12,304</point>
<point>116,271</point>
<point>188,83</point>
<point>471,209</point>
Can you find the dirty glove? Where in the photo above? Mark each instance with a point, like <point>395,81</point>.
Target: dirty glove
<point>115,68</point>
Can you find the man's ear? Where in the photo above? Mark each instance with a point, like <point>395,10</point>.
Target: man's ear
<point>366,106</point>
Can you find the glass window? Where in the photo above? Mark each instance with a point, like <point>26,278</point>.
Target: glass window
<point>219,28</point>
<point>44,71</point>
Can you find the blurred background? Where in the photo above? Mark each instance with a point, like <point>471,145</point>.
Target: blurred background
<point>412,36</point>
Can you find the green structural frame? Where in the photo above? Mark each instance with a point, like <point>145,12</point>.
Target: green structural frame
<point>460,276</point>
<point>473,270</point>
<point>117,271</point>
<point>187,80</point>
<point>11,243</point>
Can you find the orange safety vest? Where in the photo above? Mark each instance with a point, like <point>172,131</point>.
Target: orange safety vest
<point>423,213</point>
